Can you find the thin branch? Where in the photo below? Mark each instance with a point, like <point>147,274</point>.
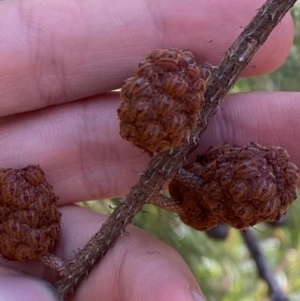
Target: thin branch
<point>53,262</point>
<point>189,179</point>
<point>264,271</point>
<point>165,165</point>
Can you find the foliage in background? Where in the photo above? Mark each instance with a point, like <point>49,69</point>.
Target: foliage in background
<point>224,269</point>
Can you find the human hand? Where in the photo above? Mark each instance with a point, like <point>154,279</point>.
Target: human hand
<point>59,60</point>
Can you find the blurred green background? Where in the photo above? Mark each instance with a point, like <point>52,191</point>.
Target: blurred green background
<point>224,268</point>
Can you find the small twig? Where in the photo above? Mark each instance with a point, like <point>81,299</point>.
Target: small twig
<point>165,165</point>
<point>264,271</point>
<point>188,179</point>
<point>53,262</point>
<point>169,204</point>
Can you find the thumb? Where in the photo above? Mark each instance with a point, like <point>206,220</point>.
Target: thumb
<point>18,286</point>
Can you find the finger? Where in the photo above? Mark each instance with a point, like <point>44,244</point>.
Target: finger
<point>83,156</point>
<point>58,51</point>
<point>77,145</point>
<point>16,285</point>
<point>269,118</point>
<point>138,267</point>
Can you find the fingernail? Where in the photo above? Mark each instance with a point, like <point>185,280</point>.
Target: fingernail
<point>197,296</point>
<point>25,288</point>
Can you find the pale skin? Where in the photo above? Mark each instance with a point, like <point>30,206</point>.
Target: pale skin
<point>60,59</point>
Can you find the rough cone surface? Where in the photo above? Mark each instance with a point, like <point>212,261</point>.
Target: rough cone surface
<point>29,221</point>
<point>160,105</point>
<point>241,186</point>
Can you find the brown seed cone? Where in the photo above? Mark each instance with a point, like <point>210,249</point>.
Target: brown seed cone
<point>241,186</point>
<point>29,221</point>
<point>160,105</point>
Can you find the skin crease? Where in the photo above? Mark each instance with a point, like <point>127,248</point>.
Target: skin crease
<point>71,54</point>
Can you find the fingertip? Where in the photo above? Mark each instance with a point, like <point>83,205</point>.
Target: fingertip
<point>139,267</point>
<point>17,286</point>
<point>212,29</point>
<point>197,296</point>
<point>266,117</point>
<point>275,50</point>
